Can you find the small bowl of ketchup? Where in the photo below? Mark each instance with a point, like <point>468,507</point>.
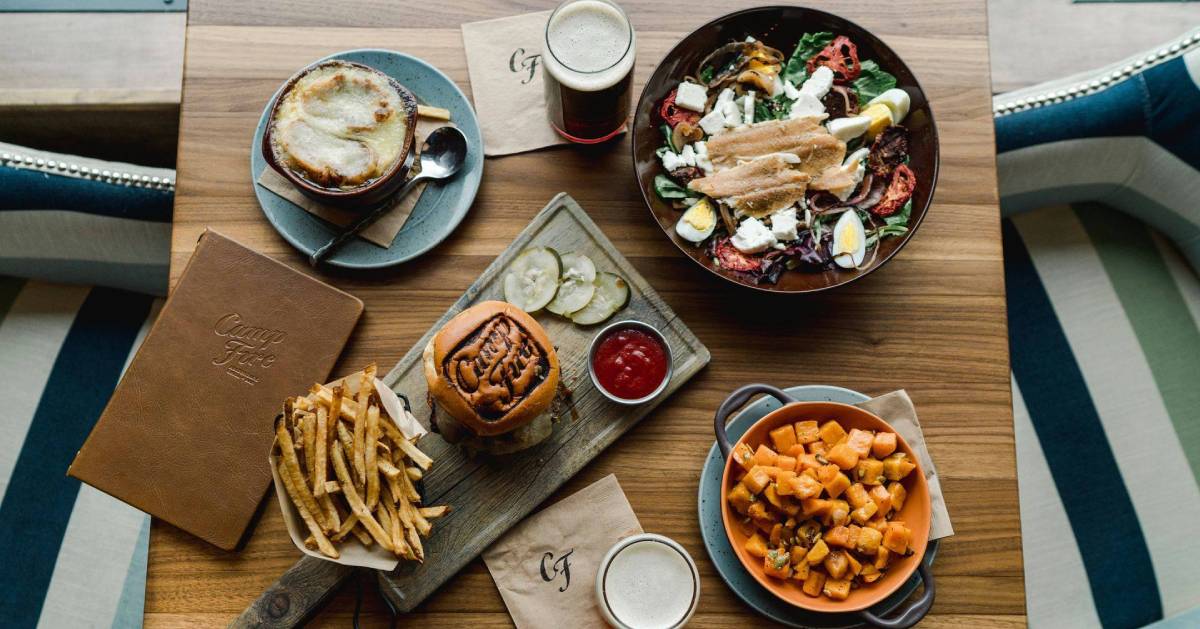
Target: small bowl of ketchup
<point>630,362</point>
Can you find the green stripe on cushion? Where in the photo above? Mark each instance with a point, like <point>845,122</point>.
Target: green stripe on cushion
<point>1158,313</point>
<point>1094,496</point>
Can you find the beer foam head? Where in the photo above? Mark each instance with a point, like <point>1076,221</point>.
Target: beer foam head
<point>590,45</point>
<point>649,585</point>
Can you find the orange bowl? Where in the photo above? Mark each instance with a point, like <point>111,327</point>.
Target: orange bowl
<point>916,512</point>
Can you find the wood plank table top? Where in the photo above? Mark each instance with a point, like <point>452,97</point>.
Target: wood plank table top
<point>932,321</point>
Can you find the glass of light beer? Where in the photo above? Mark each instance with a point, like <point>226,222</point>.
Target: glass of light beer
<point>588,70</point>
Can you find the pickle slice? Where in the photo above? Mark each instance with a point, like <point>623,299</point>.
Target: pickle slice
<point>576,286</point>
<point>612,293</point>
<point>532,279</point>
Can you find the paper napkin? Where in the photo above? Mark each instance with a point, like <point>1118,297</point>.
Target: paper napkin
<point>504,64</point>
<point>545,567</point>
<point>897,409</point>
<point>384,230</point>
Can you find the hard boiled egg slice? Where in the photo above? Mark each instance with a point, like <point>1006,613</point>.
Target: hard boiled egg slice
<point>896,100</point>
<point>880,116</point>
<point>698,222</point>
<point>849,240</point>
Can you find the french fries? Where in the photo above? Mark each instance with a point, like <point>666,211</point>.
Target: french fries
<point>349,471</point>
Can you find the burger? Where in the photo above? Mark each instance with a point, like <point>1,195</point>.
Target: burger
<point>493,375</point>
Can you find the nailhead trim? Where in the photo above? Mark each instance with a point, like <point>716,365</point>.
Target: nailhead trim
<point>1084,88</point>
<point>115,177</point>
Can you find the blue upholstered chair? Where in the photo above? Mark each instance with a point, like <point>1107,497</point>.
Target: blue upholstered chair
<point>1100,184</point>
<point>84,251</point>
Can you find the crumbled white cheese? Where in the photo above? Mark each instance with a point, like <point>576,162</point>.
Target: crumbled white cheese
<point>671,161</point>
<point>702,160</point>
<point>691,96</point>
<point>688,155</point>
<point>732,113</point>
<point>752,237</point>
<point>776,86</point>
<point>784,223</point>
<point>713,122</point>
<point>748,107</point>
<point>806,105</point>
<point>818,82</point>
<point>726,96</point>
<point>790,90</point>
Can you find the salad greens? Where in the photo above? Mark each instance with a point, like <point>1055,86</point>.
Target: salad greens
<point>775,108</point>
<point>810,44</point>
<point>872,82</point>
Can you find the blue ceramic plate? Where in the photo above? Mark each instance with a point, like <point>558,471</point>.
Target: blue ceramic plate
<point>717,543</point>
<point>442,206</point>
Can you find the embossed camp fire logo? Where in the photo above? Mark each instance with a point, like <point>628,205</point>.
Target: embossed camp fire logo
<point>245,347</point>
<point>497,367</point>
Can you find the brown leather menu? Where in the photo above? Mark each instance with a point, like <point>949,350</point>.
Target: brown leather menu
<point>186,434</point>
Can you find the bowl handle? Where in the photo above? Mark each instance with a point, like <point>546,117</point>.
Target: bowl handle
<point>914,613</point>
<point>734,402</point>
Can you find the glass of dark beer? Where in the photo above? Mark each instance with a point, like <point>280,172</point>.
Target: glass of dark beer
<point>588,70</point>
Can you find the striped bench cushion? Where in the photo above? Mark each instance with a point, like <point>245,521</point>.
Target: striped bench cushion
<point>80,556</point>
<point>65,218</point>
<point>1104,320</point>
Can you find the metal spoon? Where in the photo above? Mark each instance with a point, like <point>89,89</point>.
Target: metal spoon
<point>442,156</point>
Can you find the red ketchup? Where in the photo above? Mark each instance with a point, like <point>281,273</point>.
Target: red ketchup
<point>629,363</point>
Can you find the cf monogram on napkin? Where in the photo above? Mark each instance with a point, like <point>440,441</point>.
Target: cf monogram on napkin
<point>504,63</point>
<point>545,567</point>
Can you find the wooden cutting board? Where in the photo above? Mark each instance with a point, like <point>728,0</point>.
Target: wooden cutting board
<point>490,495</point>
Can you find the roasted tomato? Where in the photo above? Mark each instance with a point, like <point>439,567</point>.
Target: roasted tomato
<point>734,260</point>
<point>899,190</point>
<point>686,174</point>
<point>841,56</point>
<point>673,115</point>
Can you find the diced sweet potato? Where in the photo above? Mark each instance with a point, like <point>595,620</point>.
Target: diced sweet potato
<point>843,456</point>
<point>815,507</point>
<point>786,463</point>
<point>778,534</point>
<point>838,536</point>
<point>797,554</point>
<point>758,511</point>
<point>739,497</point>
<point>837,485</point>
<point>807,431</point>
<point>764,456</point>
<point>800,570</point>
<point>837,589</point>
<point>817,447</point>
<point>860,441</point>
<point>882,498</point>
<point>757,479</point>
<point>826,473</point>
<point>807,532</point>
<point>772,496</point>
<point>814,584</point>
<point>897,537</point>
<point>777,564</point>
<point>806,462</point>
<point>805,486</point>
<point>899,495</point>
<point>756,545</point>
<point>783,483</point>
<point>742,454</point>
<point>832,432</point>
<point>868,541</point>
<point>835,564</point>
<point>897,466</point>
<point>790,505</point>
<point>796,451</point>
<point>839,512</point>
<point>870,574</point>
<point>879,523</point>
<point>869,472</point>
<point>855,566</point>
<point>864,513</point>
<point>884,444</point>
<point>882,556</point>
<point>783,437</point>
<point>857,495</point>
<point>817,553</point>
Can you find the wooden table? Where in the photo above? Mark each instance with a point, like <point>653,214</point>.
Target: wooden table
<point>932,321</point>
